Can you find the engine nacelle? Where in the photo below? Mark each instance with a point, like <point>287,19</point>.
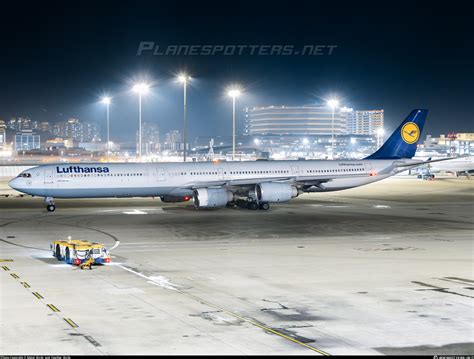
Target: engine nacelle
<point>274,192</point>
<point>174,199</point>
<point>211,197</point>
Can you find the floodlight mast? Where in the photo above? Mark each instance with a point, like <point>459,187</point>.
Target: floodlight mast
<point>333,103</point>
<point>142,89</point>
<point>233,93</point>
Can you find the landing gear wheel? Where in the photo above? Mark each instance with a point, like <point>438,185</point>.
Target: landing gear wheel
<point>264,206</point>
<point>253,206</point>
<point>50,207</point>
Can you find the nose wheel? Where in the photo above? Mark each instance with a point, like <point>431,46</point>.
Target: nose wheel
<point>50,207</point>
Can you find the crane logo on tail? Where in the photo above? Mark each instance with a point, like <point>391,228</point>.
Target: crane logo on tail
<point>410,132</point>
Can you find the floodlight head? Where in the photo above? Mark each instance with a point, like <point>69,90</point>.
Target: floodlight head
<point>106,100</point>
<point>333,103</point>
<point>141,88</point>
<point>233,93</point>
<point>184,78</point>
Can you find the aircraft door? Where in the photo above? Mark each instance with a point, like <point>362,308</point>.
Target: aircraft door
<point>220,173</point>
<point>368,166</point>
<point>294,170</point>
<point>161,174</point>
<point>48,176</point>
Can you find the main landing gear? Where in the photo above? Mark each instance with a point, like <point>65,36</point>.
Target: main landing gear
<point>264,206</point>
<point>50,207</point>
<point>253,205</point>
<point>250,204</point>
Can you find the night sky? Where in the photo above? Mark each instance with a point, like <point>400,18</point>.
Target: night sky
<point>57,59</point>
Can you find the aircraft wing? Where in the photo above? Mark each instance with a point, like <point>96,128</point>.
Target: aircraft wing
<point>297,180</point>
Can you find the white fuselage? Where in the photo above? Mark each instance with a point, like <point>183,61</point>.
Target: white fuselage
<point>179,179</point>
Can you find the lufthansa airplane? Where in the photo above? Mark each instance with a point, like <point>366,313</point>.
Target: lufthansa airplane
<point>217,184</point>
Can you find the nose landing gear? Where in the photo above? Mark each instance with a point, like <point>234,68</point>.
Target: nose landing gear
<point>50,207</point>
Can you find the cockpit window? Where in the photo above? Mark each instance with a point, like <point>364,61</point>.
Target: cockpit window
<point>25,175</point>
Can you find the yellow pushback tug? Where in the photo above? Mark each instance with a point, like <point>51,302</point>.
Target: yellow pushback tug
<point>80,253</point>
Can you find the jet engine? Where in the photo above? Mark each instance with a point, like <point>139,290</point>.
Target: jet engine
<point>274,192</point>
<point>211,197</point>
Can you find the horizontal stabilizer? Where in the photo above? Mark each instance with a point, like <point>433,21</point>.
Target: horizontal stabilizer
<point>414,164</point>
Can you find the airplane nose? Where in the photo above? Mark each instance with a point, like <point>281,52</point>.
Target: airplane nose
<point>14,183</point>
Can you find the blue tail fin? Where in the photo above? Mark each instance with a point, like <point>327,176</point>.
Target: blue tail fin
<point>402,143</point>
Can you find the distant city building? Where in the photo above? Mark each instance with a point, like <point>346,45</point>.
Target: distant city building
<point>77,130</point>
<point>34,125</point>
<point>150,138</point>
<point>12,124</point>
<point>3,135</point>
<point>71,128</point>
<point>288,120</point>
<point>19,124</point>
<point>26,140</point>
<point>44,126</point>
<point>173,141</point>
<point>90,132</point>
<point>368,122</point>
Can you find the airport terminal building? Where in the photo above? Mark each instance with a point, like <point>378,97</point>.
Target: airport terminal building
<point>307,131</point>
<point>365,122</point>
<point>293,120</point>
